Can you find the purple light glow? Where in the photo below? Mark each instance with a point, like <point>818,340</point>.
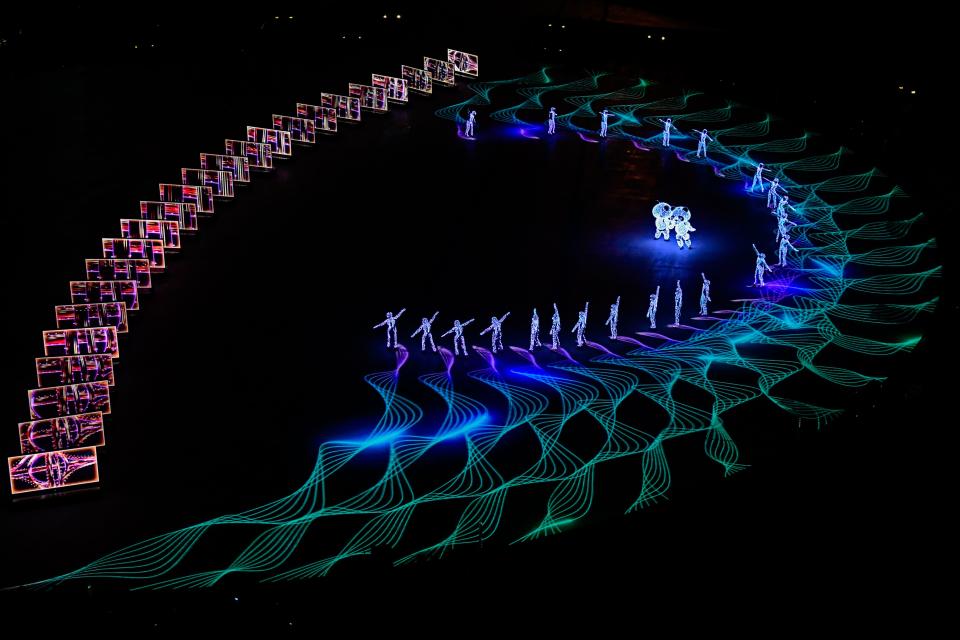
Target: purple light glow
<point>487,355</point>
<point>526,355</point>
<point>586,139</point>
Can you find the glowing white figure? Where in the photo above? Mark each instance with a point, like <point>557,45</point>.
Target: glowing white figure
<point>471,121</point>
<point>667,126</point>
<point>458,340</point>
<point>783,226</point>
<point>682,226</point>
<point>761,266</point>
<point>773,194</point>
<point>662,214</point>
<point>677,303</point>
<point>391,324</point>
<point>581,325</point>
<point>758,178</point>
<point>496,338</point>
<point>424,331</point>
<point>535,331</point>
<point>784,246</point>
<point>552,121</point>
<point>782,207</point>
<point>614,316</point>
<point>702,143</point>
<point>704,295</point>
<point>652,309</point>
<point>603,123</point>
<point>555,327</point>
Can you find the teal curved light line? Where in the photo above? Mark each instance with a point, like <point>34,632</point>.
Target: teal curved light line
<point>796,313</point>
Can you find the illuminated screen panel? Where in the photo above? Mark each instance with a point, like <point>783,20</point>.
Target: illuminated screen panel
<point>396,88</point>
<point>81,342</point>
<point>372,98</point>
<point>237,166</point>
<point>260,156</point>
<point>220,182</point>
<point>300,129</point>
<point>98,314</point>
<point>347,108</point>
<point>94,291</point>
<point>199,195</point>
<point>278,141</point>
<point>466,64</point>
<point>417,79</point>
<point>440,70</point>
<point>324,118</point>
<point>141,248</point>
<point>120,269</point>
<point>69,399</point>
<point>53,470</point>
<point>68,432</point>
<point>184,213</point>
<point>60,370</point>
<point>166,232</point>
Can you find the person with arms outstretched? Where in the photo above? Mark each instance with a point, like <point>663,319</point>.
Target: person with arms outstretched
<point>760,268</point>
<point>702,143</point>
<point>424,331</point>
<point>391,324</point>
<point>496,338</point>
<point>667,126</point>
<point>458,340</point>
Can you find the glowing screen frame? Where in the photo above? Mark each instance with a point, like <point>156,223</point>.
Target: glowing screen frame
<point>260,156</point>
<point>465,64</point>
<point>68,400</point>
<point>300,129</point>
<point>324,118</point>
<point>147,248</point>
<point>347,107</point>
<point>371,98</point>
<point>237,166</point>
<point>184,213</point>
<point>55,371</point>
<point>440,71</point>
<point>279,141</point>
<point>81,342</point>
<point>417,79</point>
<point>198,195</point>
<point>94,291</point>
<point>65,432</point>
<point>220,182</point>
<point>69,468</point>
<point>166,231</point>
<point>92,314</point>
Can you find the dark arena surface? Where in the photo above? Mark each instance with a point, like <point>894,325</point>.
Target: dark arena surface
<point>250,350</point>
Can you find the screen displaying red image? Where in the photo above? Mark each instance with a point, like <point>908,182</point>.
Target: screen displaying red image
<point>67,432</point>
<point>396,88</point>
<point>53,470</point>
<point>278,141</point>
<point>80,342</point>
<point>166,232</point>
<point>220,182</point>
<point>98,314</point>
<point>260,156</point>
<point>371,98</point>
<point>201,196</point>
<point>184,213</point>
<point>300,129</point>
<point>59,370</point>
<point>440,70</point>
<point>69,399</point>
<point>94,291</point>
<point>466,64</point>
<point>237,166</point>
<point>142,248</point>
<point>347,108</point>
<point>417,79</point>
<point>324,118</point>
<point>120,269</point>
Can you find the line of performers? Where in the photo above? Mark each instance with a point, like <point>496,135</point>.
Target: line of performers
<point>495,329</point>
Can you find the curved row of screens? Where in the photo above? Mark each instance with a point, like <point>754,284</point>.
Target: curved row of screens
<point>58,443</point>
